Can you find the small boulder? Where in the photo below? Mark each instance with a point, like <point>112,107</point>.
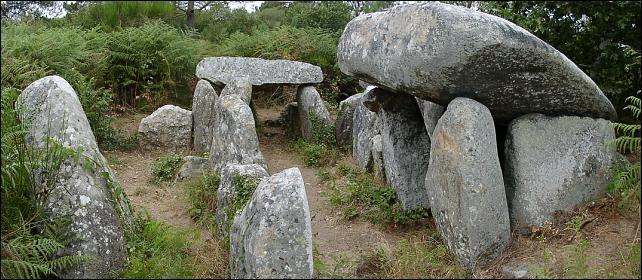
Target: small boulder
<point>169,127</point>
<point>464,180</point>
<point>343,126</point>
<point>312,112</point>
<point>272,237</point>
<point>203,115</point>
<point>193,167</point>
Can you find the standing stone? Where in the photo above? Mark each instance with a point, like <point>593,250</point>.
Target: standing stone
<point>554,164</point>
<point>464,180</point>
<point>239,87</point>
<point>312,112</point>
<point>272,237</point>
<point>431,112</point>
<point>193,167</point>
<point>223,70</point>
<point>203,115</point>
<point>90,197</point>
<point>234,135</point>
<point>343,127</point>
<point>438,52</point>
<point>405,145</point>
<point>378,165</point>
<point>226,192</point>
<point>169,127</point>
<point>365,125</point>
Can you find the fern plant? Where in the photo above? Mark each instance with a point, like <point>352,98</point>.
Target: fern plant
<point>626,175</point>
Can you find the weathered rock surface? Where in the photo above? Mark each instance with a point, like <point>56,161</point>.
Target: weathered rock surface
<point>378,166</point>
<point>312,112</point>
<point>240,87</point>
<point>439,52</point>
<point>343,125</point>
<point>234,135</point>
<point>169,127</point>
<point>91,197</point>
<point>431,112</point>
<point>465,184</point>
<point>223,70</point>
<point>405,145</point>
<point>193,167</point>
<point>365,125</point>
<point>272,237</point>
<point>227,191</point>
<point>364,85</point>
<point>553,164</point>
<point>203,115</point>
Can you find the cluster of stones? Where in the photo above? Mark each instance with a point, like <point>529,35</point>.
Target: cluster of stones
<point>271,236</point>
<point>442,83</point>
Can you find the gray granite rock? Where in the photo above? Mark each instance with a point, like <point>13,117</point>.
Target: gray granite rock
<point>223,70</point>
<point>193,167</point>
<point>464,180</point>
<point>554,164</point>
<point>240,87</point>
<point>364,85</point>
<point>343,124</point>
<point>431,113</point>
<point>90,196</point>
<point>310,106</point>
<point>234,135</point>
<point>378,166</point>
<point>438,52</point>
<point>169,127</point>
<point>365,125</point>
<point>272,237</point>
<point>227,191</point>
<point>405,145</point>
<point>203,115</point>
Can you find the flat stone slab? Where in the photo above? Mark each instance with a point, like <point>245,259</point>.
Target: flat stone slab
<point>438,52</point>
<point>223,70</point>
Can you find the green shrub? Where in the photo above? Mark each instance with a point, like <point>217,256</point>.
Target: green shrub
<point>202,194</point>
<point>322,133</point>
<point>164,169</point>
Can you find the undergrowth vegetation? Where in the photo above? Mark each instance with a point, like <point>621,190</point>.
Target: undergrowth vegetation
<point>244,187</point>
<point>164,169</point>
<point>202,195</point>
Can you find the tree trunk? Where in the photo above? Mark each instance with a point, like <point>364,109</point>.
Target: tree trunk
<point>190,14</point>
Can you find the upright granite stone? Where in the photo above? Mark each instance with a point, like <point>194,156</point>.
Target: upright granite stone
<point>464,180</point>
<point>224,70</point>
<point>438,52</point>
<point>227,192</point>
<point>431,112</point>
<point>193,167</point>
<point>272,237</point>
<point>554,164</point>
<point>203,115</point>
<point>365,125</point>
<point>90,197</point>
<point>169,127</point>
<point>240,87</point>
<point>234,135</point>
<point>343,125</point>
<point>312,112</point>
<point>405,145</point>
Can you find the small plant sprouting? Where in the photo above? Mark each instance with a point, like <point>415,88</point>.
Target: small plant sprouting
<point>165,168</point>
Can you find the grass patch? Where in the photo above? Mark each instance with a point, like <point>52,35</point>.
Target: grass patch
<point>316,154</point>
<point>202,194</point>
<point>244,186</point>
<point>164,169</point>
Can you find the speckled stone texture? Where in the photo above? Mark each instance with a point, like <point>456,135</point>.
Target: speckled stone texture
<point>554,164</point>
<point>240,87</point>
<point>431,113</point>
<point>309,102</point>
<point>272,237</point>
<point>343,124</point>
<point>99,213</point>
<point>223,70</point>
<point>227,191</point>
<point>169,127</point>
<point>464,180</point>
<point>365,125</point>
<point>203,106</point>
<point>438,52</point>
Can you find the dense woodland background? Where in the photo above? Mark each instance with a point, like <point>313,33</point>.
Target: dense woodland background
<point>138,56</point>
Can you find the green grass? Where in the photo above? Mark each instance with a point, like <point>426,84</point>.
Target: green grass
<point>244,186</point>
<point>164,169</point>
<point>202,195</point>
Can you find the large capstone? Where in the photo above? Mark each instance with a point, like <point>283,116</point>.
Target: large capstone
<point>224,70</point>
<point>405,145</point>
<point>314,118</point>
<point>203,115</point>
<point>272,237</point>
<point>431,112</point>
<point>85,190</point>
<point>439,52</point>
<point>464,180</point>
<point>193,167</point>
<point>234,135</point>
<point>240,87</point>
<point>343,124</point>
<point>554,164</point>
<point>169,127</point>
<point>227,192</point>
<point>365,125</point>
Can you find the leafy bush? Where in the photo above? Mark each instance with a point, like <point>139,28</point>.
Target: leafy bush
<point>164,169</point>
